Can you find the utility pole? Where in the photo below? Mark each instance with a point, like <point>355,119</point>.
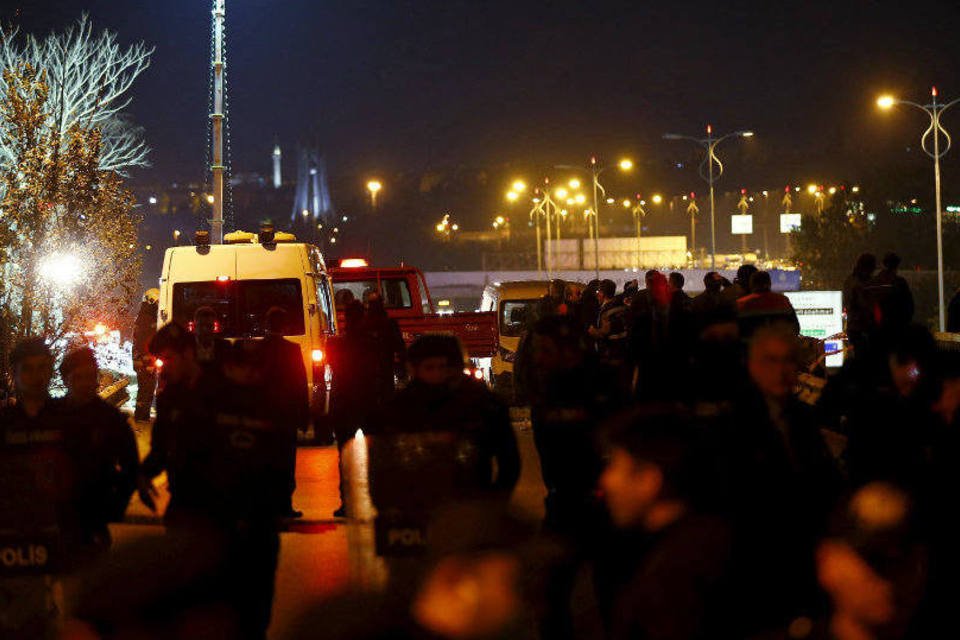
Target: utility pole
<point>216,118</point>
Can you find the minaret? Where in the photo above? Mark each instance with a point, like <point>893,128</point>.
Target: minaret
<point>277,175</point>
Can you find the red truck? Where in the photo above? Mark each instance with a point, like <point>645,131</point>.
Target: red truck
<point>407,300</point>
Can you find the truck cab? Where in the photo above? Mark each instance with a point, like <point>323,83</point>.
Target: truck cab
<point>245,277</point>
<point>407,300</point>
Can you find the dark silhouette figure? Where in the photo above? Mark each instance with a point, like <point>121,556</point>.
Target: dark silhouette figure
<point>354,361</point>
<point>144,329</point>
<point>285,383</point>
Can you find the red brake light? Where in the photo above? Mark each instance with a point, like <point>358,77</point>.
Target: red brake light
<point>158,363</point>
<point>317,356</point>
<point>353,263</point>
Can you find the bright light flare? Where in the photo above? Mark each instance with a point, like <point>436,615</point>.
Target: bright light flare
<point>886,102</point>
<point>580,198</point>
<point>519,186</point>
<point>574,183</point>
<point>811,189</point>
<point>62,270</point>
<point>374,186</point>
<point>747,134</point>
<point>626,204</point>
<point>512,196</point>
<point>657,198</point>
<point>561,193</point>
<point>626,164</point>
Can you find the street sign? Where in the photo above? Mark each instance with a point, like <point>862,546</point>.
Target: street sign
<point>789,222</point>
<point>821,315</point>
<point>741,225</point>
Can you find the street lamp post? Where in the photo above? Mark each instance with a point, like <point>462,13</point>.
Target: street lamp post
<point>934,111</point>
<point>710,144</point>
<point>595,170</point>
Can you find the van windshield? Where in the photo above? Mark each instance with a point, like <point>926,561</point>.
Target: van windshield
<point>516,315</point>
<point>241,306</point>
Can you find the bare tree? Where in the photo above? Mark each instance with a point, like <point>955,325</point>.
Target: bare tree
<point>89,77</point>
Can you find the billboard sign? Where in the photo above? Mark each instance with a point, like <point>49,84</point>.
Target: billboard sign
<point>821,315</point>
<point>741,225</point>
<point>789,222</point>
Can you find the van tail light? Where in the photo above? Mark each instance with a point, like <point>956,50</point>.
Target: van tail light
<point>317,356</point>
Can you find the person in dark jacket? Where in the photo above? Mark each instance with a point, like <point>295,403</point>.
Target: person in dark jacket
<point>103,447</point>
<point>553,302</point>
<point>572,395</point>
<point>741,284</point>
<point>211,348</point>
<point>889,296</point>
<point>144,329</point>
<point>222,449</point>
<point>890,425</point>
<point>354,364</point>
<point>652,345</point>
<point>445,437</point>
<point>665,571</point>
<point>390,349</point>
<point>782,479</point>
<point>611,329</point>
<point>764,307</point>
<point>856,304</point>
<point>36,503</point>
<point>709,309</point>
<point>285,382</point>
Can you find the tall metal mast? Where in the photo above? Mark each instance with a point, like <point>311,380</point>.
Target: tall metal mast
<point>216,118</point>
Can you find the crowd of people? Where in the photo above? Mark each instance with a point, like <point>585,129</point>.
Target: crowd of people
<point>689,492</point>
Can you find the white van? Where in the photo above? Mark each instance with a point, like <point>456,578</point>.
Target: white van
<point>515,303</point>
<point>241,280</point>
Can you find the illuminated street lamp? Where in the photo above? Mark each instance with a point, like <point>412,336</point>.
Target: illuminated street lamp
<point>519,186</point>
<point>512,196</point>
<point>374,187</point>
<point>657,198</point>
<point>596,169</point>
<point>933,110</point>
<point>574,184</point>
<point>710,176</point>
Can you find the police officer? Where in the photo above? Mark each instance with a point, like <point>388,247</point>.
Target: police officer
<point>103,449</point>
<point>37,518</point>
<point>285,383</point>
<point>221,448</point>
<point>143,364</point>
<point>440,439</point>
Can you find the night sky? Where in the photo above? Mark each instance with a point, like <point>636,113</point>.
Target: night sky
<point>409,85</point>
